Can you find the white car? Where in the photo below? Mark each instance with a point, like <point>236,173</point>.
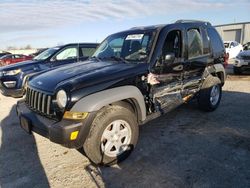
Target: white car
<point>233,48</point>
<point>242,62</point>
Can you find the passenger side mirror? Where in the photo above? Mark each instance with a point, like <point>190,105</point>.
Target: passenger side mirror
<point>169,58</point>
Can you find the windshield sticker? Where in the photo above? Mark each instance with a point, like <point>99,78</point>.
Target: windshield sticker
<point>134,37</point>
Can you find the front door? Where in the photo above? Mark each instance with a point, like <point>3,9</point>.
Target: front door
<point>169,71</point>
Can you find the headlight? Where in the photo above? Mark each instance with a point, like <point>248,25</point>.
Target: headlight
<point>12,72</point>
<point>61,98</point>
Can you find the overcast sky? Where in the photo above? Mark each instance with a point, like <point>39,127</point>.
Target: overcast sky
<point>46,23</point>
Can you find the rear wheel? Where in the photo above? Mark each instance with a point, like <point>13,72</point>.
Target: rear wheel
<point>210,95</point>
<point>113,135</point>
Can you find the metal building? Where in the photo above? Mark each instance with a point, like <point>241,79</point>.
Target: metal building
<point>239,32</point>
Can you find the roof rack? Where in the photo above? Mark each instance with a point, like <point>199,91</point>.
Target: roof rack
<point>188,21</point>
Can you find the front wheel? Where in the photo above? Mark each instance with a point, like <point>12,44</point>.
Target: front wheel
<point>209,96</point>
<point>113,135</point>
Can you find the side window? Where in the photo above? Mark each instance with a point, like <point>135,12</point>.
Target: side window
<point>195,47</point>
<point>205,39</point>
<point>217,45</point>
<point>87,52</point>
<point>232,44</point>
<point>173,44</point>
<point>68,53</point>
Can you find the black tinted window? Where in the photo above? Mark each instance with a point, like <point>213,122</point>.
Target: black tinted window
<point>216,42</point>
<point>206,47</point>
<point>195,47</point>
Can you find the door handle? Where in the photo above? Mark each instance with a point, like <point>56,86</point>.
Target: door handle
<point>178,68</point>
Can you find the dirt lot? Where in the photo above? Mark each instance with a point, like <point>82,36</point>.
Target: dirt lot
<point>185,148</point>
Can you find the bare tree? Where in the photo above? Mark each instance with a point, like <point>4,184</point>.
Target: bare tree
<point>27,47</point>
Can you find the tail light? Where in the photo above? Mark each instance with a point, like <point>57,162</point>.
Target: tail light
<point>226,59</point>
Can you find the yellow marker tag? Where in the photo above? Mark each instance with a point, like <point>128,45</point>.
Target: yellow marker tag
<point>74,135</point>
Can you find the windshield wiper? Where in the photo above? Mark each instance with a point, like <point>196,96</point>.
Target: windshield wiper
<point>118,59</point>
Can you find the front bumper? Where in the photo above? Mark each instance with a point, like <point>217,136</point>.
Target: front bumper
<point>56,131</point>
<point>11,92</point>
<point>240,63</point>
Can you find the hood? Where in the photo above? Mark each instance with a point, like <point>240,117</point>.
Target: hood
<point>19,65</point>
<point>83,74</point>
<point>244,53</point>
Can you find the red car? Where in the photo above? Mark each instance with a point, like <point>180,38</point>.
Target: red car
<point>13,58</point>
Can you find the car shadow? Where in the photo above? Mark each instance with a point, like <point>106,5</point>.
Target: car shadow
<point>189,148</point>
<point>20,165</point>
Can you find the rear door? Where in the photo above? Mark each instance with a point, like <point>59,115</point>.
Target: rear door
<point>198,58</point>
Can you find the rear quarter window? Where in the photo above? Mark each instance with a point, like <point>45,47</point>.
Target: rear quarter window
<point>87,52</point>
<point>217,45</point>
<point>195,44</point>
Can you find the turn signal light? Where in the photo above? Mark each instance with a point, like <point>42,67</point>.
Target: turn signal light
<point>74,135</point>
<point>75,115</point>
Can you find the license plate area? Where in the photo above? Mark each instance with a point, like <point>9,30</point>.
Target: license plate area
<point>25,124</point>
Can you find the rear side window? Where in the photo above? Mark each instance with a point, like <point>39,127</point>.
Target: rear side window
<point>87,52</point>
<point>216,42</point>
<point>205,39</point>
<point>195,46</point>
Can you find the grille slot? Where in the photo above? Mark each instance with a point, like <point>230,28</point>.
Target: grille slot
<point>39,102</point>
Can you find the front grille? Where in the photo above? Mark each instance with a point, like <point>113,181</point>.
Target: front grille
<point>39,102</point>
<point>245,57</point>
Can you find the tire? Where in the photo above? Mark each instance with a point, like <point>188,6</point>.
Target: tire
<point>237,70</point>
<point>210,94</point>
<point>113,135</point>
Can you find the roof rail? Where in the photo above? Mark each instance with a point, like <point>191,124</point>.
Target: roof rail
<point>188,21</point>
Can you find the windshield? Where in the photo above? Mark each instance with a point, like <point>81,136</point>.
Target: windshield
<point>226,44</point>
<point>128,46</point>
<point>5,57</point>
<point>47,53</point>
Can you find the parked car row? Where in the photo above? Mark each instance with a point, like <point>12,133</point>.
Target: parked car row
<point>13,58</point>
<point>13,77</point>
<point>134,76</point>
<point>233,48</point>
<point>240,55</point>
<point>242,62</point>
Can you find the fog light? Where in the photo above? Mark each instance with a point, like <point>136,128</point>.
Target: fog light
<point>74,135</point>
<point>10,84</point>
<point>75,115</point>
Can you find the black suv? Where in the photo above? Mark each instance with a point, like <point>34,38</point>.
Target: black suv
<point>13,77</point>
<point>133,77</point>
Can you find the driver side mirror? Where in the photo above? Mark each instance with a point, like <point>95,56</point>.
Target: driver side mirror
<point>169,58</point>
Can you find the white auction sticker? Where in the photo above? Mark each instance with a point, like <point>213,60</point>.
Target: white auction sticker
<point>134,37</point>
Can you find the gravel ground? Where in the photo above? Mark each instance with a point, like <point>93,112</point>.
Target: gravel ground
<point>185,148</point>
